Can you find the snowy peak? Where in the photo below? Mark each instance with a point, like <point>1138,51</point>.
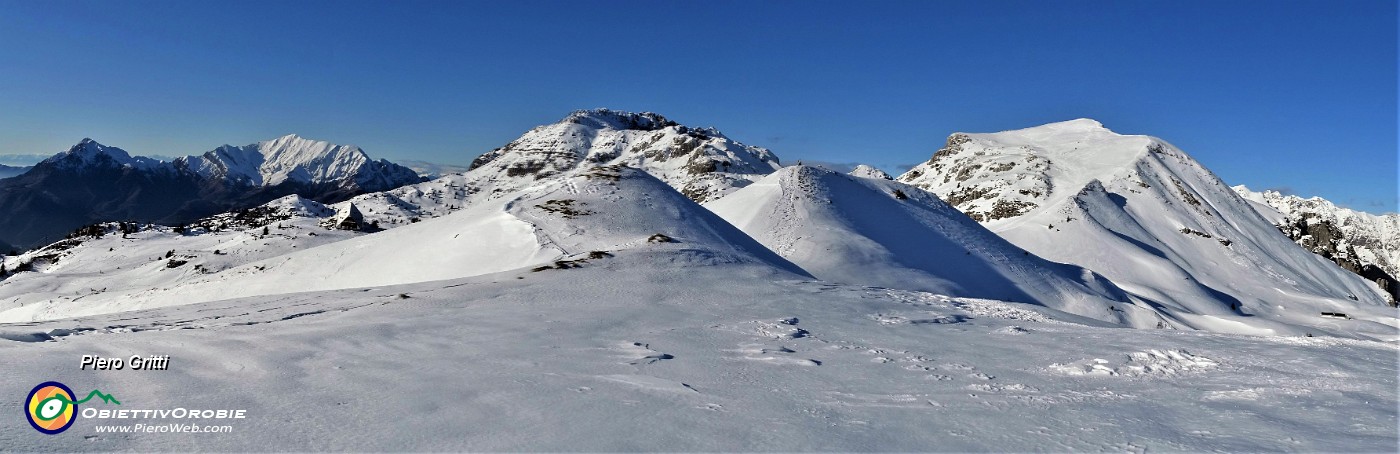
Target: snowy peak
<point>613,119</point>
<point>92,182</point>
<point>1008,174</point>
<point>1363,243</point>
<point>1083,125</point>
<point>88,154</point>
<point>865,171</point>
<point>1074,192</point>
<point>308,161</point>
<point>296,160</point>
<point>877,232</point>
<point>702,163</point>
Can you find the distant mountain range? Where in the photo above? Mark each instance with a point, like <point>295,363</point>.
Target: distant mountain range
<point>9,171</point>
<point>92,182</point>
<point>1363,243</point>
<point>701,163</point>
<point>1122,229</point>
<point>432,170</point>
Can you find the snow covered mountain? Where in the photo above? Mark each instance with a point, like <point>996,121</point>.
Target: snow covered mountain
<point>92,183</point>
<point>588,298</point>
<point>586,215</point>
<point>1155,222</point>
<point>866,171</point>
<point>338,170</point>
<point>1363,243</point>
<point>878,232</point>
<point>701,163</point>
<point>88,183</point>
<point>90,156</point>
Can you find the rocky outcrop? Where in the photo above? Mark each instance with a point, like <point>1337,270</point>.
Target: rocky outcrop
<point>986,184</point>
<point>1323,237</point>
<point>1363,243</point>
<point>701,163</point>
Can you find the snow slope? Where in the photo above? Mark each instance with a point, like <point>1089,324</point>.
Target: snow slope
<point>1155,222</point>
<point>107,262</point>
<point>580,217</point>
<point>867,231</point>
<point>627,355</point>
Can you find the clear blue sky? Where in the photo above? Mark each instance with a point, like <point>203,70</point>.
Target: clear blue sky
<point>1282,94</point>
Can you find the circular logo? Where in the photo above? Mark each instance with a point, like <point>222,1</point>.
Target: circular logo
<point>50,408</point>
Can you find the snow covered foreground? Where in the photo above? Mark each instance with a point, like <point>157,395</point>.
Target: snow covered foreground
<point>623,355</point>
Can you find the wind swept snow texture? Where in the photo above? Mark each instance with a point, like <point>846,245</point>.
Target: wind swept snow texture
<point>576,220</point>
<point>868,231</point>
<point>626,355</point>
<point>1155,222</point>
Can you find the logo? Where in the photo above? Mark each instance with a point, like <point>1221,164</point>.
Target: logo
<point>50,407</point>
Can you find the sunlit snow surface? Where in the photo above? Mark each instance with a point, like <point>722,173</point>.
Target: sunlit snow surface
<point>623,355</point>
<point>601,310</point>
<point>1156,223</point>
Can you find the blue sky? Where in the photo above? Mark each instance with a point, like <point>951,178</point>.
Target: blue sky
<point>1272,94</point>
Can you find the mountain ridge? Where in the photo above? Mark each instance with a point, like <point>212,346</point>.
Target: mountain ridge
<point>48,201</point>
<point>1364,243</point>
<point>1075,192</point>
<point>875,232</point>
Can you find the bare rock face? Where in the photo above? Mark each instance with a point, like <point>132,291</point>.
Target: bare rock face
<point>987,184</point>
<point>1363,243</point>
